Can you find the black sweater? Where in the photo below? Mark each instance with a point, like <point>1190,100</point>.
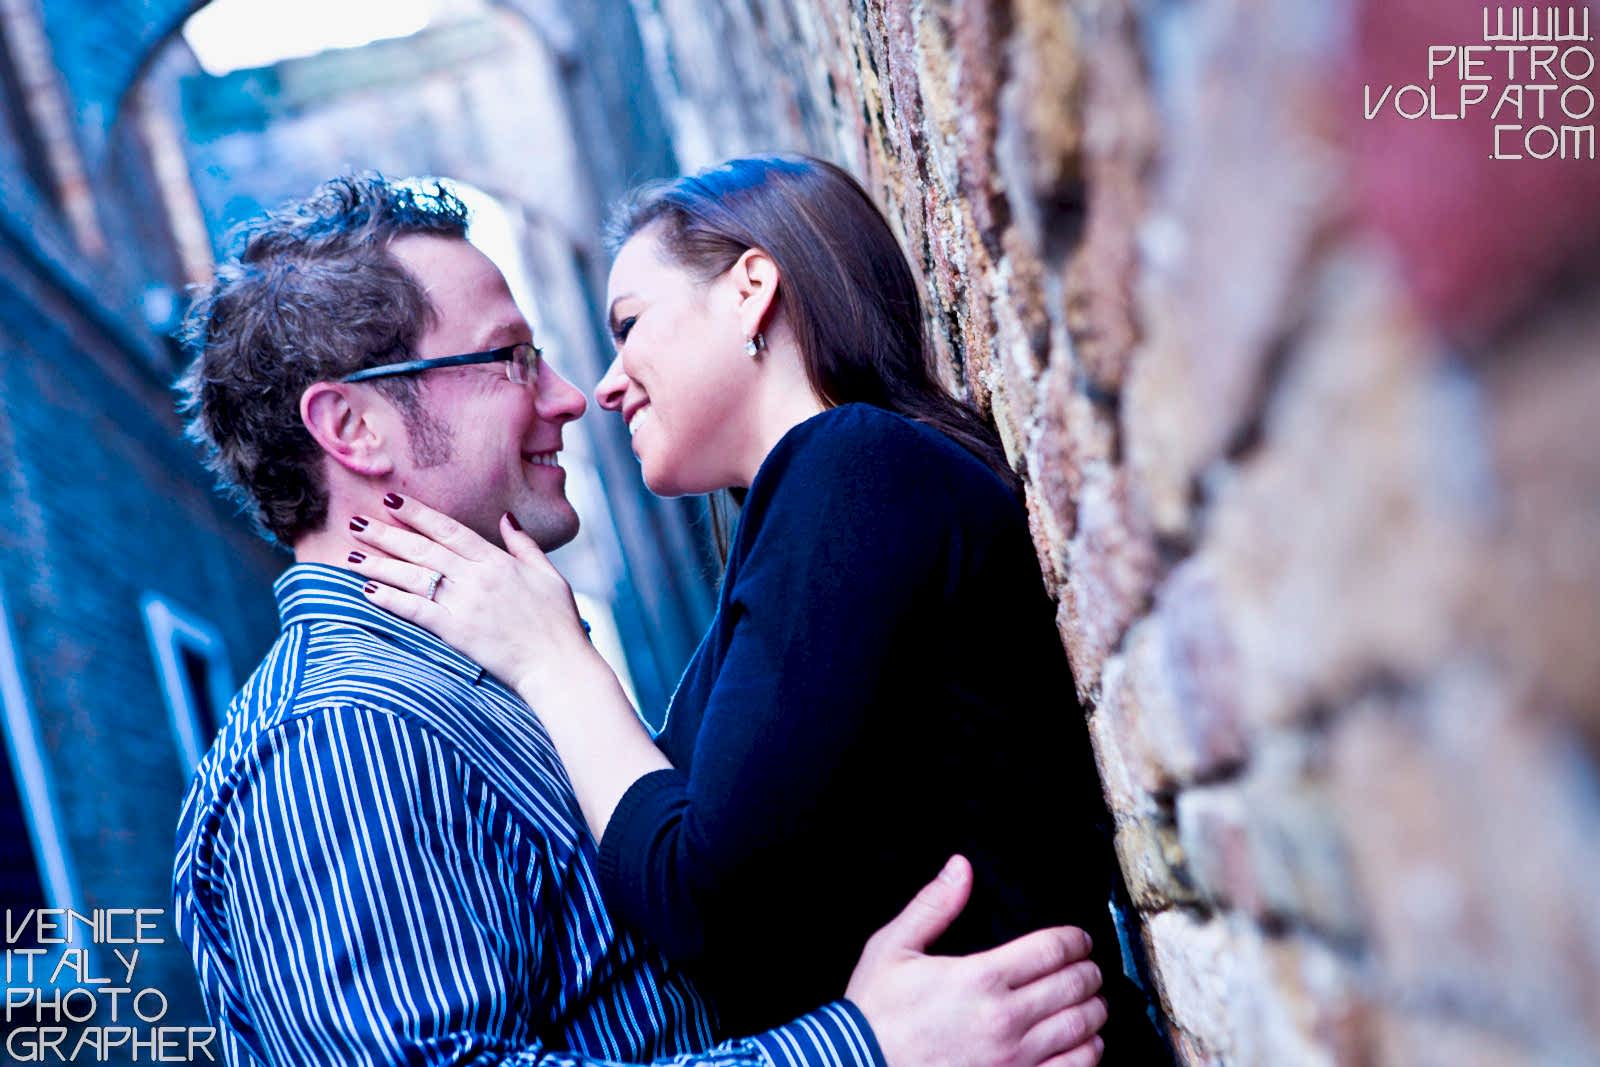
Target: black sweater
<point>882,686</point>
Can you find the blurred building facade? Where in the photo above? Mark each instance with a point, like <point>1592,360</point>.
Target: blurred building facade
<point>130,597</point>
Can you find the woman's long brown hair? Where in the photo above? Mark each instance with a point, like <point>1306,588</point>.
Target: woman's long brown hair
<point>844,284</point>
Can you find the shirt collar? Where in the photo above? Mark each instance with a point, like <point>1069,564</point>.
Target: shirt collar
<point>316,592</point>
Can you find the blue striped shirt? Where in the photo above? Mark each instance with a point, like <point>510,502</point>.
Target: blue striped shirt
<point>381,861</point>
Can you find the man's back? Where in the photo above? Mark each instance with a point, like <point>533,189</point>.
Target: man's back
<point>382,849</point>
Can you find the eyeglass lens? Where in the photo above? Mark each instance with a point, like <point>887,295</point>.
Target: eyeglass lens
<point>524,365</point>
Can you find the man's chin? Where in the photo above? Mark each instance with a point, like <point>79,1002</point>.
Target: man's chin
<point>550,528</point>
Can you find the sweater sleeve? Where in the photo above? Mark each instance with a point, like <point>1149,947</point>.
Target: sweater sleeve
<point>844,547</point>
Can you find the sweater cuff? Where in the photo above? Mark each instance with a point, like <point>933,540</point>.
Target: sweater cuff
<point>628,837</point>
<point>837,1035</point>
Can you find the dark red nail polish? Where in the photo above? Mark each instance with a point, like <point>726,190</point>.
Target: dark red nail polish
<point>392,500</point>
<point>358,524</point>
<point>512,519</point>
<point>357,557</point>
<point>371,587</point>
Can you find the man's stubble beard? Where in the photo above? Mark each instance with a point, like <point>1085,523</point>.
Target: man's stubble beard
<point>432,444</point>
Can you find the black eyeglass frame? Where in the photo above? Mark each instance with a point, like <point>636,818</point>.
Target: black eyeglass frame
<point>505,354</point>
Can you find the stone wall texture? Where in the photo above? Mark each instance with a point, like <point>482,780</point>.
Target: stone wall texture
<point>1306,409</point>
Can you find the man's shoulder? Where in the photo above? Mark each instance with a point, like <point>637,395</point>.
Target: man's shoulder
<point>320,665</point>
<point>327,683</point>
<point>317,671</point>
<point>345,664</point>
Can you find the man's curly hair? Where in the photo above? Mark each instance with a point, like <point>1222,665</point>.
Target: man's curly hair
<point>312,296</point>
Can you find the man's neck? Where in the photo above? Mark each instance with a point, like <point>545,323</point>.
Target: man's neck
<point>331,546</point>
<point>334,541</point>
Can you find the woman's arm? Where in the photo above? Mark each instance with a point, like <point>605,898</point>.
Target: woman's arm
<point>849,539</point>
<point>514,614</point>
<point>804,742</point>
<point>775,800</point>
<point>602,743</point>
<point>1040,988</point>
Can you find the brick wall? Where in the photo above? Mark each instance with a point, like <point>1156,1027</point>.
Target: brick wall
<point>101,503</point>
<point>1305,408</point>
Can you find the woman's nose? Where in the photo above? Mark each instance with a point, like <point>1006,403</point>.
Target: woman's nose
<point>608,394</point>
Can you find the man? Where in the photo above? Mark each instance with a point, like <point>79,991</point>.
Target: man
<point>380,859</point>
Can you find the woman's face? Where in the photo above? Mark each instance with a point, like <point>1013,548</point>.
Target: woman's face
<point>681,379</point>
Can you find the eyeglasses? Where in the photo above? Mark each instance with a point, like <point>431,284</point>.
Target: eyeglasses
<point>522,362</point>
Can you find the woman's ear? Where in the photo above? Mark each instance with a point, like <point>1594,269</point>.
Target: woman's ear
<point>756,277</point>
<point>352,425</point>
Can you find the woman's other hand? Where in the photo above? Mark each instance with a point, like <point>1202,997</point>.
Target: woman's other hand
<point>1029,1002</point>
<point>508,609</point>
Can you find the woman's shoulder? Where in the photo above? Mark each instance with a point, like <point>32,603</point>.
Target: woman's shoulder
<point>867,437</point>
<point>867,459</point>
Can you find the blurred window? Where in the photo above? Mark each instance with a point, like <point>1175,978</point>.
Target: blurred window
<point>34,868</point>
<point>192,666</point>
<point>26,146</point>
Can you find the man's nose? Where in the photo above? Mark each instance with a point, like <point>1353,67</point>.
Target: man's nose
<point>558,400</point>
<point>608,394</point>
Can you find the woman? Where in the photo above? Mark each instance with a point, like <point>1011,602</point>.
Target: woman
<point>882,684</point>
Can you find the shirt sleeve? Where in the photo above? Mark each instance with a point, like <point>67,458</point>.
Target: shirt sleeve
<point>859,535</point>
<point>371,922</point>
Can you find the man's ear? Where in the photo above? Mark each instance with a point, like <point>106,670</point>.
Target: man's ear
<point>756,278</point>
<point>354,426</point>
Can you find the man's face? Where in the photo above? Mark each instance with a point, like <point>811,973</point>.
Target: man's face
<point>501,440</point>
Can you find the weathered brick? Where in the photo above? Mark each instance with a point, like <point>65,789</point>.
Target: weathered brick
<point>1120,136</point>
<point>976,42</point>
<point>1159,423</point>
<point>1070,437</point>
<point>1265,493</point>
<point>101,502</point>
<point>1152,862</point>
<point>1269,846</point>
<point>1052,552</point>
<point>1181,670</point>
<point>1040,131</point>
<point>1313,1009</point>
<point>1470,825</point>
<point>1111,567</point>
<point>1010,421</point>
<point>1406,1036</point>
<point>1240,998</point>
<point>1195,964</point>
<point>1250,177</point>
<point>1541,397</point>
<point>1343,544</point>
<point>1020,351</point>
<point>1120,748</point>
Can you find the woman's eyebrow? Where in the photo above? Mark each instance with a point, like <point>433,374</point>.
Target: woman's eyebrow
<point>611,314</point>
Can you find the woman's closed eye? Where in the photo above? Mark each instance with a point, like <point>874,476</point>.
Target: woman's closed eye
<point>620,331</point>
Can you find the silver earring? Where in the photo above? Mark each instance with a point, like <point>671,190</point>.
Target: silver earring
<point>755,345</point>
